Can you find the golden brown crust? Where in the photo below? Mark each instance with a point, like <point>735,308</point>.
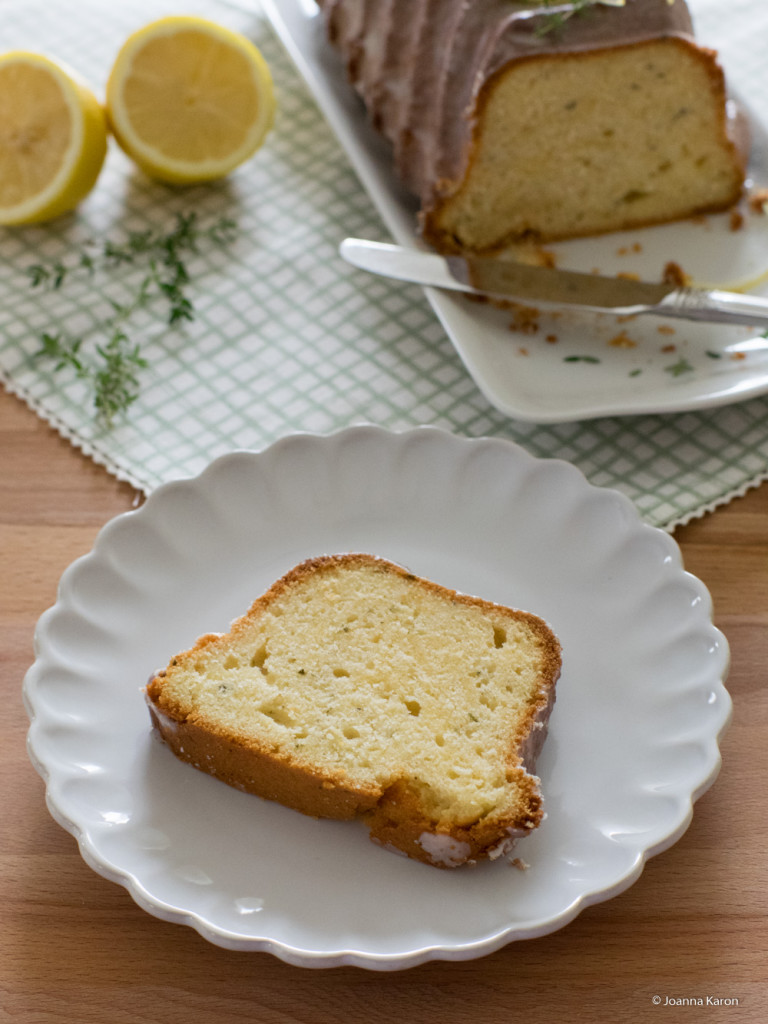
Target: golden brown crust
<point>398,821</point>
<point>259,771</point>
<point>395,816</point>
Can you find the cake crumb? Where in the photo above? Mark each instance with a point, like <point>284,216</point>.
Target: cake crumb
<point>520,864</point>
<point>666,329</point>
<point>525,319</point>
<point>625,249</point>
<point>622,340</point>
<point>758,200</point>
<point>675,275</point>
<point>547,259</point>
<point>736,220</point>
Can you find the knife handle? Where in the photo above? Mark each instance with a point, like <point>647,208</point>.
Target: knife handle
<point>715,306</point>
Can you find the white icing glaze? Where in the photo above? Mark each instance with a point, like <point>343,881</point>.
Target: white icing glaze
<point>443,849</point>
<point>502,849</point>
<point>168,724</point>
<point>505,846</point>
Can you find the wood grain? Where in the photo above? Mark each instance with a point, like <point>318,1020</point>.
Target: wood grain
<point>74,947</point>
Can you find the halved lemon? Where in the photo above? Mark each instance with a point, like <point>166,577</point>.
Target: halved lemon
<point>53,138</point>
<point>189,100</point>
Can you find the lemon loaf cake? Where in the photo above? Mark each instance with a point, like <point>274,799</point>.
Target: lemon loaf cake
<point>353,688</point>
<point>543,121</point>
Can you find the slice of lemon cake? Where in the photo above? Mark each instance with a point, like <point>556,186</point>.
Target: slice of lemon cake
<point>354,688</point>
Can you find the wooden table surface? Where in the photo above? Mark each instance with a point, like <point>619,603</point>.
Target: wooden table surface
<point>74,947</point>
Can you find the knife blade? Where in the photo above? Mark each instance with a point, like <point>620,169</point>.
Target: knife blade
<point>507,279</point>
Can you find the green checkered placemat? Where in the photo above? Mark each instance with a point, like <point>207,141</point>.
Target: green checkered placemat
<point>287,338</point>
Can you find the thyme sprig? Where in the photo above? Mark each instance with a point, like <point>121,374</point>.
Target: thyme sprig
<point>116,382</point>
<point>112,368</point>
<point>554,20</point>
<point>113,377</point>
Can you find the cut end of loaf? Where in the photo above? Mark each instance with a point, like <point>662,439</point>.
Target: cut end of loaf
<point>354,688</point>
<point>579,144</point>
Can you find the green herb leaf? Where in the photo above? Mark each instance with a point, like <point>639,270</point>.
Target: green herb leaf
<point>679,368</point>
<point>53,276</point>
<point>63,350</point>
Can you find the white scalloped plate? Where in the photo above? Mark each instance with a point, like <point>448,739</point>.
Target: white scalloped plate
<point>593,364</point>
<point>634,735</point>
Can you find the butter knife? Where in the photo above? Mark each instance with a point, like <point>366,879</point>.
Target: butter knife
<point>506,279</point>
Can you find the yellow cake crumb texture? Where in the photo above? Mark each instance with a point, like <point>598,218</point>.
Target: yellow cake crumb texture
<point>353,669</point>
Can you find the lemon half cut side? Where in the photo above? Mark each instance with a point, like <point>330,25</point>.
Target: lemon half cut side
<point>53,138</point>
<point>189,100</point>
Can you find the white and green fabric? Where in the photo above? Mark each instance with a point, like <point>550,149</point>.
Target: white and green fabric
<point>287,338</point>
